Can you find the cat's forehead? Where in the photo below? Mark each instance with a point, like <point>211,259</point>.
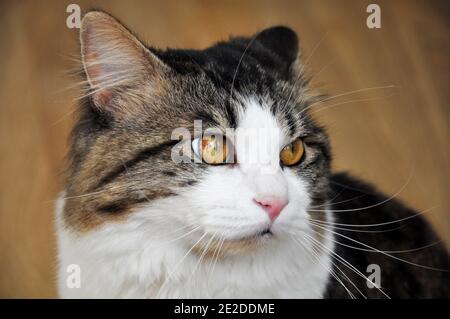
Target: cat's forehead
<point>257,115</point>
<point>237,64</point>
<point>222,84</point>
<point>265,115</point>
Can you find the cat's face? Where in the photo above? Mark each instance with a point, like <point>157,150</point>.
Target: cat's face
<point>250,91</point>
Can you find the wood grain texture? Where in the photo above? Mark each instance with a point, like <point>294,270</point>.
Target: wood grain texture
<point>396,138</point>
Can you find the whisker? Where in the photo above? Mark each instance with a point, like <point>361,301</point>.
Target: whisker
<point>382,252</point>
<point>315,48</point>
<point>205,249</point>
<point>239,63</point>
<point>374,88</point>
<point>342,272</point>
<point>329,270</point>
<point>351,101</point>
<point>334,264</point>
<point>388,251</point>
<point>218,253</point>
<point>64,117</point>
<point>370,206</point>
<point>347,264</point>
<point>170,274</point>
<point>377,224</point>
<point>330,202</point>
<point>184,235</point>
<point>355,230</point>
<point>106,85</point>
<point>303,67</point>
<point>321,70</point>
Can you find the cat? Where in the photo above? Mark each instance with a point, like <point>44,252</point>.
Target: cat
<point>148,214</point>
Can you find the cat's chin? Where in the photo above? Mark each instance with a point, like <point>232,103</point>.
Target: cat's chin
<point>219,248</point>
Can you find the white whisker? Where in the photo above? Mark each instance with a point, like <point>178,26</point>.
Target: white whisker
<point>382,252</point>
<point>370,206</point>
<point>327,269</point>
<point>347,264</point>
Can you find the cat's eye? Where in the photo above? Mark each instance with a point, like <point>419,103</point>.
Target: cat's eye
<point>292,153</point>
<point>212,149</point>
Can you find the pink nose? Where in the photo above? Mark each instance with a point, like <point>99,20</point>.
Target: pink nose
<point>272,205</point>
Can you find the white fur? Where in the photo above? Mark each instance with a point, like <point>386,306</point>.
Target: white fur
<point>149,256</point>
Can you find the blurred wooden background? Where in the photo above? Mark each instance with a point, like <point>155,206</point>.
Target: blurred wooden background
<point>396,137</point>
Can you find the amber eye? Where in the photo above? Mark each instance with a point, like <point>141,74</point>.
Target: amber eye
<point>211,149</point>
<point>292,153</point>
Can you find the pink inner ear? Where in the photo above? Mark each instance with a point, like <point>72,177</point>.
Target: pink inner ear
<point>103,98</point>
<point>97,74</point>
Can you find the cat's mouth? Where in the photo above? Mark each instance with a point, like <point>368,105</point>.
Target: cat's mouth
<point>234,246</point>
<point>266,232</point>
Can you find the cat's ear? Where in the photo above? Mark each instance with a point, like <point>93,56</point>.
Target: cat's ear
<point>281,40</point>
<point>116,63</point>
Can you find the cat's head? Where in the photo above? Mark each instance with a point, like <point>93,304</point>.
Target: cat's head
<point>255,187</point>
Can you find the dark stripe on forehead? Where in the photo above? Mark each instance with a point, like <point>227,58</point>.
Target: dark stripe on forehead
<point>226,116</point>
<point>141,156</point>
<point>206,118</point>
<point>231,115</point>
<point>284,115</point>
<point>291,124</point>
